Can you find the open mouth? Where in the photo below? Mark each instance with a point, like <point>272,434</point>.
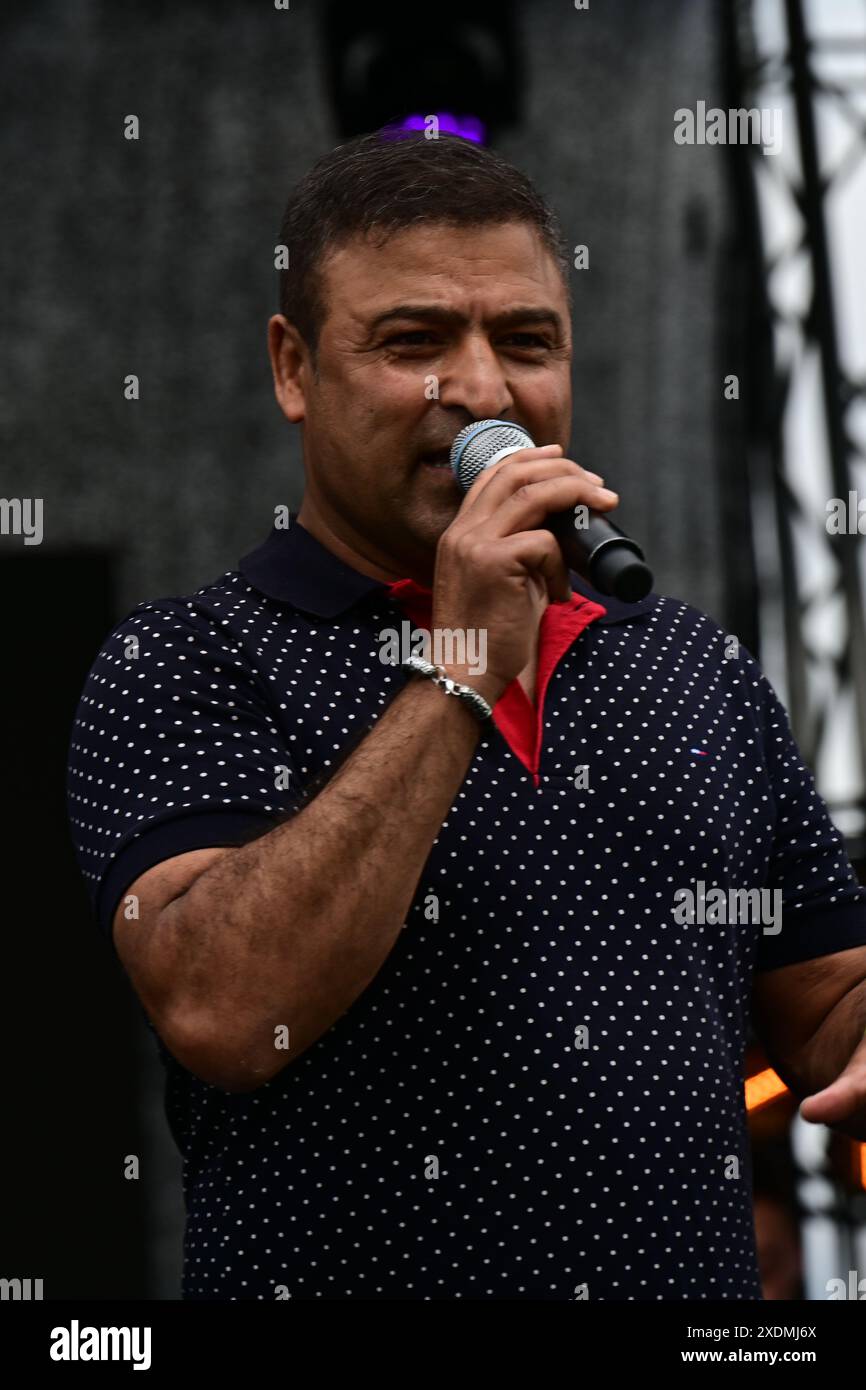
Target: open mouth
<point>440,458</point>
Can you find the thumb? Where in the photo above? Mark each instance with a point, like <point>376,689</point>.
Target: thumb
<point>844,1097</point>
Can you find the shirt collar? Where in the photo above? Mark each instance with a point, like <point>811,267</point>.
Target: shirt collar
<point>293,567</point>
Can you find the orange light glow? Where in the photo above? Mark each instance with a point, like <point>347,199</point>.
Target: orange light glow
<point>763,1087</point>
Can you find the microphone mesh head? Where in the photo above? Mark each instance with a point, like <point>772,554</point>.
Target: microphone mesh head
<point>477,446</point>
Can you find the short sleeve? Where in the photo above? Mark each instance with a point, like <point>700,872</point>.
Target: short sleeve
<point>823,904</point>
<point>173,748</point>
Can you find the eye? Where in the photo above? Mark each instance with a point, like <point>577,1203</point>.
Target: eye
<point>414,337</point>
<point>535,339</point>
<point>404,337</point>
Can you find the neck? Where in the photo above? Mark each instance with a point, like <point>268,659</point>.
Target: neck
<point>358,552</point>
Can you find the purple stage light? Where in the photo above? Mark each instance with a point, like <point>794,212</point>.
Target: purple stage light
<point>469,127</point>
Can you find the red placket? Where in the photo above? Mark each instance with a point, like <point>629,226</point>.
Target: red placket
<point>517,719</point>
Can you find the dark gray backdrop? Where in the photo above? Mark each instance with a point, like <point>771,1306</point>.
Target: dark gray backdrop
<point>156,257</point>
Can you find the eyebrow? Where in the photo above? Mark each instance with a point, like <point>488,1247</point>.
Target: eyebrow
<point>453,318</point>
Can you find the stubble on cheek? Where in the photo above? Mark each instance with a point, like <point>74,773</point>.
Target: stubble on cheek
<point>428,517</point>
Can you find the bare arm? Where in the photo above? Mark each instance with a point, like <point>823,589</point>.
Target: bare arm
<point>292,927</point>
<point>811,1019</point>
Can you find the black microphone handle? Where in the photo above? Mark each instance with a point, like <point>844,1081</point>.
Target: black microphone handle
<point>603,555</point>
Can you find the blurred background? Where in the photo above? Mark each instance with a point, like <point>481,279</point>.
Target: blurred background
<point>719,373</point>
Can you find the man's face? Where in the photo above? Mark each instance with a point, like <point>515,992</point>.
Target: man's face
<point>437,328</point>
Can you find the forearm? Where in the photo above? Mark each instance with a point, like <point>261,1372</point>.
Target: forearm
<point>832,1046</point>
<point>291,928</point>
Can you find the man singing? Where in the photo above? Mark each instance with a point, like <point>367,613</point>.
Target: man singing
<point>432,1021</point>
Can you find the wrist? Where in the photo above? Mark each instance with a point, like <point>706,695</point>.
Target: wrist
<point>442,677</point>
<point>434,702</point>
<point>485,683</point>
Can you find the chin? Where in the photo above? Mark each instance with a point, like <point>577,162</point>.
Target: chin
<point>427,517</point>
<point>419,539</point>
<point>436,525</point>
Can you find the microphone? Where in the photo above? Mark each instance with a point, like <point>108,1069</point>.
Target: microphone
<point>600,552</point>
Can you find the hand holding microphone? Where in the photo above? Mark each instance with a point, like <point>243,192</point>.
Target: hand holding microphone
<point>599,551</point>
<point>499,554</point>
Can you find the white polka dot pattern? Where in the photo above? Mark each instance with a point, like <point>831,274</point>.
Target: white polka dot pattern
<point>558,1165</point>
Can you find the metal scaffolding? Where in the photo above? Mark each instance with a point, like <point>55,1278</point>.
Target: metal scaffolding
<point>808,455</point>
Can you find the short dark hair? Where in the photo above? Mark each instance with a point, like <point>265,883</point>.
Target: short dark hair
<point>391,182</point>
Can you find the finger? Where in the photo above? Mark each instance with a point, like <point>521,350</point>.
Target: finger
<point>496,483</point>
<point>486,476</point>
<point>539,553</point>
<point>533,502</point>
<point>843,1098</point>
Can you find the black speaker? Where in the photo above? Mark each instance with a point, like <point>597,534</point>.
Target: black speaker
<point>70,1019</point>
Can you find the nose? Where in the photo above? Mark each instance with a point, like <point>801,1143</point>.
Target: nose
<point>475,381</point>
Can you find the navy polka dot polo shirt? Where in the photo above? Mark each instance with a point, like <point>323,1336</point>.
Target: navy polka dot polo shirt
<point>541,1092</point>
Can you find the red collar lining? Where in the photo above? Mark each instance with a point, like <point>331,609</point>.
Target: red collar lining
<point>517,719</point>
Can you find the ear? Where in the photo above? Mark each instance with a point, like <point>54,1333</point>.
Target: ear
<point>290,365</point>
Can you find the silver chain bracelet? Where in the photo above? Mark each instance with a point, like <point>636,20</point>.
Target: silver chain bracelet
<point>477,703</point>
